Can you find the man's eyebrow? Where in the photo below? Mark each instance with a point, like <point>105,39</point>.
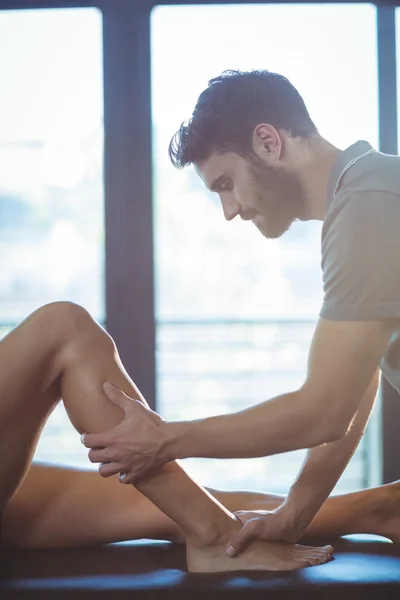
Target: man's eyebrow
<point>214,185</point>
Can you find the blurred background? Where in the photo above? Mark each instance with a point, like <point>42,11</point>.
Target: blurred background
<point>210,317</point>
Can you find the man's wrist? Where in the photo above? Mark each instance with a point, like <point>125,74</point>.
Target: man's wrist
<point>174,440</point>
<point>299,507</point>
<point>308,497</point>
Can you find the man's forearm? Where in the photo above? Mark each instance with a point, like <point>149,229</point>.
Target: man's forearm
<point>325,464</point>
<point>285,423</point>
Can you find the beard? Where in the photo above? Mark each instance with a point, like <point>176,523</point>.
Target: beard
<point>280,198</point>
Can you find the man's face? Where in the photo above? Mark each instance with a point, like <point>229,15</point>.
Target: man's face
<point>267,195</point>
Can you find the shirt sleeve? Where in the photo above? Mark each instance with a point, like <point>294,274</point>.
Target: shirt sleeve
<point>361,258</point>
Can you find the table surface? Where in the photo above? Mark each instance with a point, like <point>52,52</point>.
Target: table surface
<point>362,568</point>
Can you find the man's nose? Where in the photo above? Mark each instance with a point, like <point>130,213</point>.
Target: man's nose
<point>230,207</point>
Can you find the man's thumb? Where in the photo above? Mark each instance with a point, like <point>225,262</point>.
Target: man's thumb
<point>115,394</point>
<point>240,539</point>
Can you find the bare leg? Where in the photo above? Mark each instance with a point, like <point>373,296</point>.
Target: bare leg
<point>375,510</point>
<point>57,507</point>
<point>72,355</point>
<point>29,391</point>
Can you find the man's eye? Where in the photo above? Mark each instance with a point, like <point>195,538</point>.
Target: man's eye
<point>225,186</point>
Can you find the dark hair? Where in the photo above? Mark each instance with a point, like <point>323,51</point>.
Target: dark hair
<point>229,109</point>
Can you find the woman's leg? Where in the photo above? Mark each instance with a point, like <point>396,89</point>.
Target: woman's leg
<point>60,507</point>
<point>29,390</point>
<point>375,510</point>
<point>63,350</point>
<point>57,507</point>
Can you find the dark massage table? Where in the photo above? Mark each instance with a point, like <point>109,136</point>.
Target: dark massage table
<point>362,569</point>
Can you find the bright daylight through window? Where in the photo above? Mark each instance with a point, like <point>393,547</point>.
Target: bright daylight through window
<point>51,177</point>
<point>235,312</point>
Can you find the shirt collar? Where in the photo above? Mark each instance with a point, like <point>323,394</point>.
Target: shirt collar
<point>345,157</point>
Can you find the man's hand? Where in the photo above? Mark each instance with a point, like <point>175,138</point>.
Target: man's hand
<point>134,448</point>
<point>275,525</point>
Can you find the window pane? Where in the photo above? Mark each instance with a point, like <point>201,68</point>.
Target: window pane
<point>51,176</point>
<point>236,312</point>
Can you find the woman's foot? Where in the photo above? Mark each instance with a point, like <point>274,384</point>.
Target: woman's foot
<point>259,556</point>
<point>384,517</point>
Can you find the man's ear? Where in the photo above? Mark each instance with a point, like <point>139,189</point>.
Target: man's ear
<point>267,143</point>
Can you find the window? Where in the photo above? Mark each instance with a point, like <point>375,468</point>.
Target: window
<point>235,312</point>
<point>51,177</point>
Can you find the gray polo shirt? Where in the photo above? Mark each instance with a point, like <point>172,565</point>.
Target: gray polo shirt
<point>361,244</point>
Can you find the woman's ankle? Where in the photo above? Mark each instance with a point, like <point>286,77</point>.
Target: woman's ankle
<point>214,533</point>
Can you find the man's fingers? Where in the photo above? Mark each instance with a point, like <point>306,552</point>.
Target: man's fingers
<point>128,479</point>
<point>104,455</point>
<point>240,539</point>
<point>140,475</point>
<point>109,469</point>
<point>95,440</point>
<point>116,395</point>
<point>240,514</point>
<point>135,478</point>
<point>245,515</point>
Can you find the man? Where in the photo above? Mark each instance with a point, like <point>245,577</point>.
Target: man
<point>252,141</point>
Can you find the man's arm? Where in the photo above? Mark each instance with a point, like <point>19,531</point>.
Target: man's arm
<point>344,356</point>
<point>323,467</point>
<point>321,470</point>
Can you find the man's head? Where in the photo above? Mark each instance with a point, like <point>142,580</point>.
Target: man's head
<point>242,139</point>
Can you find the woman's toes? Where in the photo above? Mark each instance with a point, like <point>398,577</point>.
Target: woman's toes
<point>326,552</point>
<point>324,558</point>
<point>307,562</point>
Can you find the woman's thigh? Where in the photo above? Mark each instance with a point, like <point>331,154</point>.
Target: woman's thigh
<point>28,394</point>
<point>59,507</point>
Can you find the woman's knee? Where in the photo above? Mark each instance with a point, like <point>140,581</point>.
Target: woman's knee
<point>70,333</point>
<point>64,321</point>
